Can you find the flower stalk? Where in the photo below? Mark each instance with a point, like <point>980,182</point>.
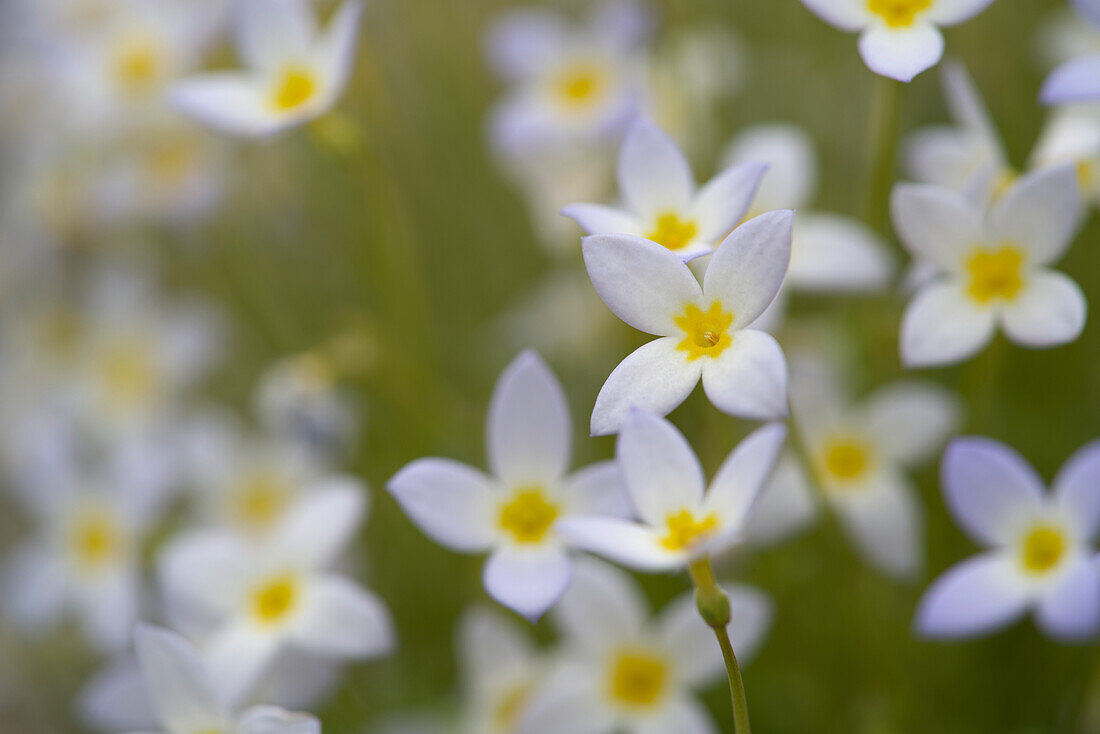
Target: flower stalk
<point>714,608</point>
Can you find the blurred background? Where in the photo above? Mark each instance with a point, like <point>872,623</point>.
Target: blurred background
<point>390,258</point>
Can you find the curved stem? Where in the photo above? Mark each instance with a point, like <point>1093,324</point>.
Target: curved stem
<point>714,608</point>
<point>883,145</point>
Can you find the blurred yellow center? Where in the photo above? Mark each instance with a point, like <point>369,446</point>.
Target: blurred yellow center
<point>1087,175</point>
<point>1043,548</point>
<point>507,713</point>
<point>96,539</point>
<point>129,373</point>
<point>898,13</point>
<point>995,274</point>
<point>528,515</point>
<point>171,164</point>
<point>846,459</point>
<point>672,232</point>
<point>296,86</point>
<point>260,500</point>
<point>685,530</point>
<point>638,678</point>
<point>579,85</point>
<point>275,599</point>
<point>137,66</point>
<point>706,333</point>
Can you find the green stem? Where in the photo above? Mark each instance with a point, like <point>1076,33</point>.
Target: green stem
<point>714,608</point>
<point>883,145</point>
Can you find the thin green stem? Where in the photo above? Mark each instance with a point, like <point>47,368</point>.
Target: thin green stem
<point>882,140</point>
<point>714,608</point>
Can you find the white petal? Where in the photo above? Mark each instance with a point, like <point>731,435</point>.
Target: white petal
<point>830,252</point>
<point>335,53</point>
<point>274,720</point>
<point>751,614</point>
<point>654,176</point>
<point>450,502</point>
<point>1077,489</point>
<point>786,505</point>
<point>341,619</point>
<point>941,325</point>
<point>109,608</point>
<point>1040,213</point>
<point>490,643</point>
<point>527,580</point>
<point>977,596</point>
<point>529,434</point>
<point>181,690</point>
<point>949,156</point>
<point>744,474</point>
<point>237,656</point>
<point>33,588</point>
<point>1070,609</point>
<point>1049,312</point>
<point>725,200</point>
<point>1088,9</point>
<point>749,378</point>
<point>568,701</point>
<point>788,151</point>
<point>901,53</point>
<point>643,283</point>
<point>602,605</point>
<point>746,270</point>
<point>202,575</point>
<point>662,473</point>
<point>910,420</point>
<point>230,103</point>
<point>936,223</point>
<point>1074,81</point>
<point>116,699</point>
<point>690,642</point>
<point>316,529</point>
<point>951,12</point>
<point>598,489</point>
<point>272,32</point>
<point>886,522</point>
<point>600,219</point>
<point>848,15</point>
<point>990,489</point>
<point>628,543</point>
<point>682,715</point>
<point>967,108</point>
<point>656,377</point>
<point>524,42</point>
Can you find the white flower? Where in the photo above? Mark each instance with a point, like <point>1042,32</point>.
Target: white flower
<point>993,267</point>
<point>660,199</point>
<point>1039,556</point>
<point>1077,80</point>
<point>898,38</point>
<point>1072,135</point>
<point>703,330</point>
<point>625,672</point>
<point>254,601</point>
<point>300,400</point>
<point>681,520</point>
<point>500,671</point>
<point>295,74</point>
<point>858,454</point>
<point>187,698</point>
<point>569,84</point>
<point>516,513</point>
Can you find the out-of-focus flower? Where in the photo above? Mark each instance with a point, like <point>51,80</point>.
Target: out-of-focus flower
<point>187,698</point>
<point>1077,80</point>
<point>993,267</point>
<point>680,519</point>
<point>501,670</point>
<point>703,330</point>
<point>1072,135</point>
<point>829,252</point>
<point>660,199</point>
<point>254,601</point>
<point>517,512</point>
<point>569,84</point>
<point>84,559</point>
<point>898,38</point>
<point>626,672</point>
<point>859,453</point>
<point>295,74</point>
<point>1040,553</point>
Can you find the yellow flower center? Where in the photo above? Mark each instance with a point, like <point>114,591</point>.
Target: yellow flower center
<point>995,274</point>
<point>898,13</point>
<point>579,85</point>
<point>1043,547</point>
<point>129,374</point>
<point>508,710</point>
<point>528,515</point>
<point>259,500</point>
<point>638,679</point>
<point>685,530</point>
<point>275,599</point>
<point>137,66</point>
<point>1087,174</point>
<point>705,332</point>
<point>672,232</point>
<point>296,86</point>
<point>95,539</point>
<point>846,459</point>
